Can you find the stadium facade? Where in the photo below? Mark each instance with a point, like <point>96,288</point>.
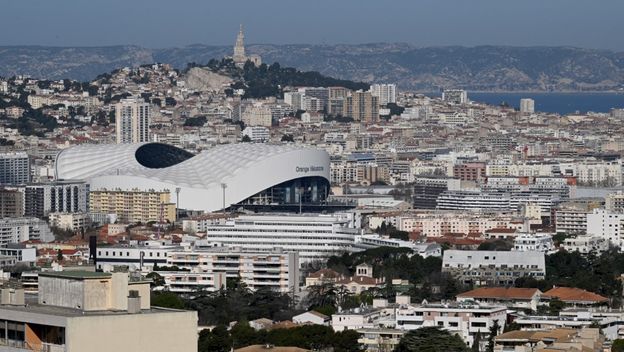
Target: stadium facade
<point>232,174</point>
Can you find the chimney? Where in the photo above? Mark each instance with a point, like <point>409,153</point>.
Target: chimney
<point>134,302</point>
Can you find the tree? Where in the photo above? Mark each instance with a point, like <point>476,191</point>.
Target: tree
<point>477,342</point>
<point>618,345</point>
<point>167,300</point>
<point>288,138</point>
<point>246,139</point>
<point>217,340</point>
<point>431,339</point>
<point>494,330</point>
<point>59,255</point>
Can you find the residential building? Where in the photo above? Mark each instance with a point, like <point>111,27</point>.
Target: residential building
<point>559,339</point>
<point>527,106</point>
<point>210,267</point>
<point>614,202</point>
<point>427,189</point>
<point>537,242</point>
<point>607,225</point>
<point>511,297</point>
<point>15,230</point>
<point>258,115</point>
<point>70,221</point>
<point>455,96</point>
<point>134,206</point>
<point>575,296</point>
<point>586,244</point>
<point>257,134</point>
<point>41,199</point>
<point>362,106</point>
<point>14,168</point>
<point>571,220</point>
<point>470,171</point>
<point>311,317</point>
<point>464,319</point>
<point>136,256</point>
<point>132,119</point>
<point>11,203</point>
<point>493,267</point>
<point>379,339</point>
<point>71,305</point>
<point>386,93</point>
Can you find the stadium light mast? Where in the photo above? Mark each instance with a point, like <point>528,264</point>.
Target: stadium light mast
<point>177,190</point>
<point>223,187</point>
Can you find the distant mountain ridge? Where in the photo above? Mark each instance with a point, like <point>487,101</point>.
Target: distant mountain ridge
<point>485,68</point>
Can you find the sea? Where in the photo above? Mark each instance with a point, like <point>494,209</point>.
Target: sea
<point>561,103</point>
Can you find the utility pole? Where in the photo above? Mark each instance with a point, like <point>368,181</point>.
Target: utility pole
<point>224,186</point>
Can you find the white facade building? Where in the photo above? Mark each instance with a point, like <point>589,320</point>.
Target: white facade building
<point>385,92</point>
<point>534,243</point>
<point>15,230</point>
<point>314,237</point>
<point>257,134</point>
<point>586,244</point>
<point>210,268</point>
<point>70,221</point>
<point>606,225</point>
<point>14,168</point>
<point>527,106</point>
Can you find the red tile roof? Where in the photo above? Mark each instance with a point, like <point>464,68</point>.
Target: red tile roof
<point>575,295</point>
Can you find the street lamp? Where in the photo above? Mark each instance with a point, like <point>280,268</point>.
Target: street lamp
<point>223,187</point>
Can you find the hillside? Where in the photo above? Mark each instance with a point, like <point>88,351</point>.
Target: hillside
<point>486,68</point>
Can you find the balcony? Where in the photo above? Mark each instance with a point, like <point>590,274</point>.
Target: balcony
<point>17,345</point>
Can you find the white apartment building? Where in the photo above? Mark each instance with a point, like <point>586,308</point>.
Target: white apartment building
<point>539,242</point>
<point>586,244</point>
<point>70,221</point>
<point>16,230</point>
<point>614,202</point>
<point>314,237</point>
<point>386,93</point>
<point>497,268</point>
<point>606,225</point>
<point>136,256</point>
<point>464,319</point>
<point>455,96</point>
<point>257,134</point>
<point>374,241</point>
<point>14,168</point>
<point>132,119</point>
<point>209,269</point>
<point>527,106</point>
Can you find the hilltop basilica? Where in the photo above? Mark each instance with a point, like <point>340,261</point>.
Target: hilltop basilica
<point>239,56</point>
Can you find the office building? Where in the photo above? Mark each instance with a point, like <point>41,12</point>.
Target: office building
<point>209,268</point>
<point>133,206</point>
<point>250,174</point>
<point>314,237</point>
<point>493,268</point>
<point>132,119</point>
<point>96,312</point>
<point>386,93</point>
<point>140,256</point>
<point>362,106</point>
<point>14,168</point>
<point>527,106</point>
<point>11,203</point>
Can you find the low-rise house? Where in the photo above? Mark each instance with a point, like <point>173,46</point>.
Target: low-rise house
<point>511,297</point>
<point>586,244</point>
<point>311,317</point>
<point>561,339</point>
<point>575,296</point>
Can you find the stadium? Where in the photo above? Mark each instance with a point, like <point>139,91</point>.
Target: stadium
<point>245,174</point>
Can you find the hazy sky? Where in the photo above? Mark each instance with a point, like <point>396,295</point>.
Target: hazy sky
<point>166,23</point>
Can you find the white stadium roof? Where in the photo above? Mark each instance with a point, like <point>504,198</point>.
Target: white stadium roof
<point>246,169</point>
